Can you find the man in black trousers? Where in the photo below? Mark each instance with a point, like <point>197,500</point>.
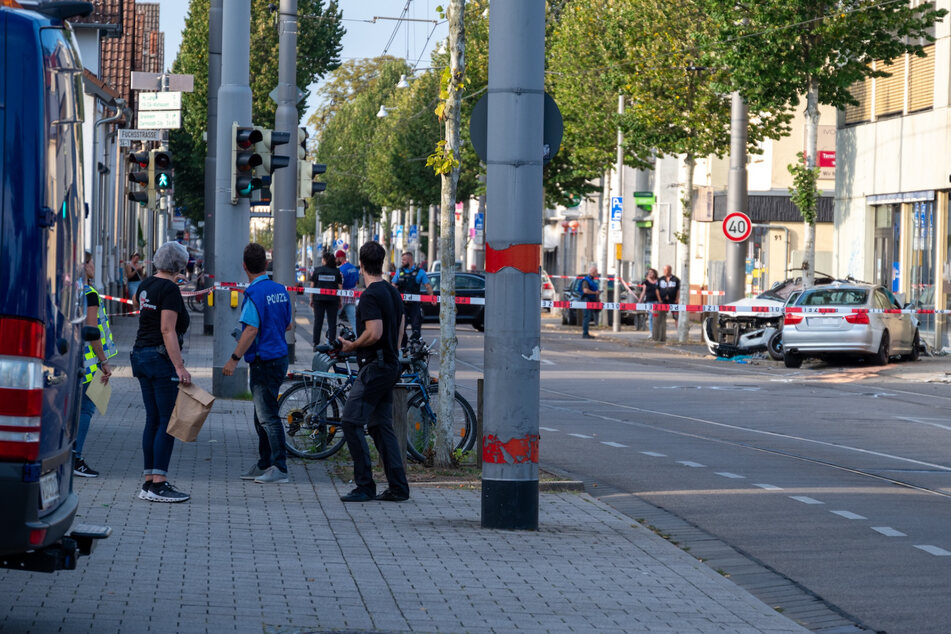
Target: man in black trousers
<point>380,324</point>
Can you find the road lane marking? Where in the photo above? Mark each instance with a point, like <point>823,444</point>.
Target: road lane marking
<point>849,515</point>
<point>925,421</point>
<point>689,463</point>
<point>580,436</point>
<point>934,550</point>
<point>612,444</point>
<point>888,531</point>
<point>806,499</point>
<point>727,474</point>
<point>769,487</point>
<point>548,429</point>
<point>654,454</point>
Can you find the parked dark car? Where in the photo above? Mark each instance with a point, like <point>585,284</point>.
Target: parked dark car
<point>574,316</point>
<point>467,285</point>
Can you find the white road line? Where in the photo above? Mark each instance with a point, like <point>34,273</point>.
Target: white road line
<point>612,444</point>
<point>934,550</point>
<point>548,429</point>
<point>547,362</point>
<point>654,454</point>
<point>849,515</point>
<point>888,531</point>
<point>580,436</point>
<point>805,499</point>
<point>727,474</point>
<point>688,463</point>
<point>769,487</point>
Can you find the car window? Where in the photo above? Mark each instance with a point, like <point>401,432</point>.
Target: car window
<point>881,301</point>
<point>434,280</point>
<point>469,283</point>
<point>834,297</point>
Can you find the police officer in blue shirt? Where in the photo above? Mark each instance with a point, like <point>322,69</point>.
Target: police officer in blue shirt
<point>265,317</point>
<point>410,280</point>
<point>351,276</point>
<point>590,292</point>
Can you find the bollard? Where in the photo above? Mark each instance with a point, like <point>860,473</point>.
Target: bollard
<point>400,423</point>
<point>659,330</point>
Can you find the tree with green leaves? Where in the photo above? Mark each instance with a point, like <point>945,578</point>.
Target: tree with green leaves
<point>318,51</point>
<point>651,53</point>
<point>781,50</point>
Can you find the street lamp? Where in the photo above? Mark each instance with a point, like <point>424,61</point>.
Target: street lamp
<point>383,111</point>
<point>403,83</point>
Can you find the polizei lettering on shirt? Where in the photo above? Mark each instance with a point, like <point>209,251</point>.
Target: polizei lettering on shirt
<point>277,298</point>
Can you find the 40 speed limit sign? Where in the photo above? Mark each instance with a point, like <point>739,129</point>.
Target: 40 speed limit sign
<point>737,226</point>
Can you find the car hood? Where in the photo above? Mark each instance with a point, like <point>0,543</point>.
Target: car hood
<point>746,302</point>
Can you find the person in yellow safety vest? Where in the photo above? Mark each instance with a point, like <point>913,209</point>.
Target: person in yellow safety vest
<point>96,357</point>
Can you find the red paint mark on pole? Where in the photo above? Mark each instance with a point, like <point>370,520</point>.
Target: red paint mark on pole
<point>514,451</point>
<point>521,257</point>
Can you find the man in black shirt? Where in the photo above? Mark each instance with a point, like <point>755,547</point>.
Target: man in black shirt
<point>668,288</point>
<point>380,323</point>
<point>327,277</point>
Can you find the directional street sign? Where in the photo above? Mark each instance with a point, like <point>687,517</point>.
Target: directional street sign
<point>737,226</point>
<point>160,119</point>
<point>159,100</point>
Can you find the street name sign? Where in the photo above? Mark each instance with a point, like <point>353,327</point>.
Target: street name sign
<point>737,226</point>
<point>127,136</point>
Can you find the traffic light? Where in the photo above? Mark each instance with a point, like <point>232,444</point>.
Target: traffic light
<point>269,160</point>
<point>306,187</point>
<point>160,170</point>
<point>141,177</point>
<point>244,159</point>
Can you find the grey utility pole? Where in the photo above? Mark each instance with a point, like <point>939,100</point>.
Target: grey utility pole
<point>284,186</point>
<point>619,175</point>
<point>214,82</point>
<point>513,235</point>
<point>231,234</point>
<point>737,198</point>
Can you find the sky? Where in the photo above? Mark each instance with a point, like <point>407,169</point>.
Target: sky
<point>410,40</point>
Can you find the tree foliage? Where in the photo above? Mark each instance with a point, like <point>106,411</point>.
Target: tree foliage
<point>318,50</point>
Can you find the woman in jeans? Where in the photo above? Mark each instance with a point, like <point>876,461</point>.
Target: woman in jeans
<point>649,296</point>
<point>157,363</point>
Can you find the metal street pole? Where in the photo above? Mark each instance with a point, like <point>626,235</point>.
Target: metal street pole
<point>513,238</point>
<point>619,175</point>
<point>284,186</point>
<point>737,198</point>
<point>231,234</point>
<point>214,82</point>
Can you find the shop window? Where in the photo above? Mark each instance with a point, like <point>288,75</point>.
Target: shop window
<point>922,269</point>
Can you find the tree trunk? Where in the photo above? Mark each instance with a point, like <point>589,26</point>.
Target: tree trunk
<point>812,143</point>
<point>683,323</point>
<point>447,281</point>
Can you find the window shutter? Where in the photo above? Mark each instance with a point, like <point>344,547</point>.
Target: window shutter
<point>921,81</point>
<point>890,91</point>
<point>862,91</point>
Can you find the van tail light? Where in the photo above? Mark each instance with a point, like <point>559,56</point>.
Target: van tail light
<point>21,388</point>
<point>857,318</point>
<point>791,319</point>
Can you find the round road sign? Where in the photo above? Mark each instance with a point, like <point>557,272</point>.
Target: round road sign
<point>737,226</point>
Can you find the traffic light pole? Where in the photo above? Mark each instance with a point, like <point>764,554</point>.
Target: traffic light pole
<point>284,184</point>
<point>214,82</point>
<point>231,234</point>
<point>512,263</point>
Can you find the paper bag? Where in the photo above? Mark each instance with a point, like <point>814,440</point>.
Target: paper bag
<point>191,409</point>
<point>99,393</point>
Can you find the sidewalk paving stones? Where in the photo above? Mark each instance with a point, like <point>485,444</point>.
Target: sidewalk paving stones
<point>246,557</point>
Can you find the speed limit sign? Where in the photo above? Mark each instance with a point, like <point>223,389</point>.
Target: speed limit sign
<point>737,226</point>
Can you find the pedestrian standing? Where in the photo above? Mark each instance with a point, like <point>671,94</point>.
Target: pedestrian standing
<point>326,277</point>
<point>265,317</point>
<point>668,288</point>
<point>350,276</point>
<point>649,296</point>
<point>589,293</point>
<point>96,355</point>
<point>134,273</point>
<point>411,280</point>
<point>157,363</point>
<point>380,324</point>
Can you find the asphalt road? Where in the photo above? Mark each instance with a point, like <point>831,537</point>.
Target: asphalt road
<point>838,478</point>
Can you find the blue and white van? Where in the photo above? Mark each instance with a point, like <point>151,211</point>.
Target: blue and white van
<point>41,299</point>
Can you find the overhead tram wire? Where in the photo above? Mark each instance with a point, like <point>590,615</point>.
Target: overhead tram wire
<point>396,28</point>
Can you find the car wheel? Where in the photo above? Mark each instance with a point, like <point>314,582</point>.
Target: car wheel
<point>792,360</point>
<point>775,346</point>
<point>881,357</point>
<point>479,322</point>
<point>915,353</point>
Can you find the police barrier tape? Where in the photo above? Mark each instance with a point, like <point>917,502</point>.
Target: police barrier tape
<point>641,307</point>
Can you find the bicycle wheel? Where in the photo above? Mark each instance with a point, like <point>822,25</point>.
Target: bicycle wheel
<point>421,423</point>
<point>311,418</point>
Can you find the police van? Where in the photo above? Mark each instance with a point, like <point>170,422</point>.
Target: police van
<point>41,298</point>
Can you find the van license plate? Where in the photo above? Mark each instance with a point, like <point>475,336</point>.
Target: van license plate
<point>49,489</point>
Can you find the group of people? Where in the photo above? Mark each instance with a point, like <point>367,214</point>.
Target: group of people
<point>655,290</point>
<point>158,364</point>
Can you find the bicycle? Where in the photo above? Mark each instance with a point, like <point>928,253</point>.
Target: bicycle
<point>310,409</point>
